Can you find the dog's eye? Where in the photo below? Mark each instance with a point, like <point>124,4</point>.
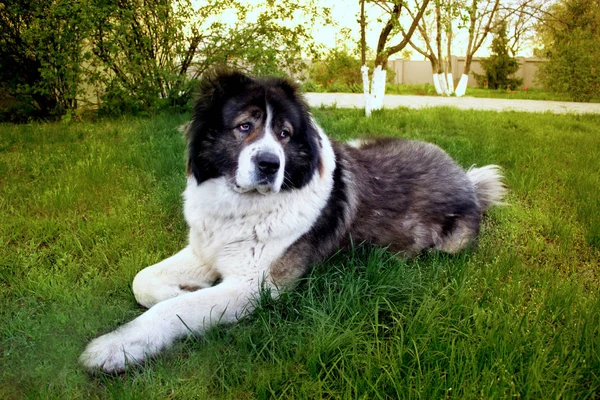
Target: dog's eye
<point>284,134</point>
<point>245,127</point>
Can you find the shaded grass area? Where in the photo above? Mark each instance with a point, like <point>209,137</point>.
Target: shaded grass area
<point>521,93</point>
<point>84,207</point>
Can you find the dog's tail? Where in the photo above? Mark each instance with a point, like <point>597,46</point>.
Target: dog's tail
<point>489,185</point>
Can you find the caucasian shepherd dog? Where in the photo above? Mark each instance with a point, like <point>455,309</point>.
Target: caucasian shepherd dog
<point>269,195</point>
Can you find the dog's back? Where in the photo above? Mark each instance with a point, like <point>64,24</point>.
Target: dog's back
<point>413,196</point>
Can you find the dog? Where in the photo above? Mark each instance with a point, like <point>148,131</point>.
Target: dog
<point>269,196</point>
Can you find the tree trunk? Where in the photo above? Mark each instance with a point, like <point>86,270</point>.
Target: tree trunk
<point>461,89</point>
<point>366,89</point>
<point>378,87</point>
<point>436,79</point>
<point>363,60</point>
<point>450,83</point>
<point>449,77</point>
<point>363,35</point>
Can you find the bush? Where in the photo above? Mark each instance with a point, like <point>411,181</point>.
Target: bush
<point>339,72</point>
<point>500,65</point>
<point>571,33</point>
<point>142,56</point>
<point>41,56</point>
<point>338,67</point>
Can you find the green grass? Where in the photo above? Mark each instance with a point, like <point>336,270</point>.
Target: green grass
<point>429,90</point>
<point>85,206</point>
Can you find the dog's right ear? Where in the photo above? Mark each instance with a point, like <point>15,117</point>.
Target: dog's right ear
<point>216,86</point>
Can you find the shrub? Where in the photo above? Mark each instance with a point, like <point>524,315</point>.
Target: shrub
<point>571,33</point>
<point>500,65</point>
<point>340,72</point>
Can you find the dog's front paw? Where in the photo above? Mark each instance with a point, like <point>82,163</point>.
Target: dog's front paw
<point>116,351</point>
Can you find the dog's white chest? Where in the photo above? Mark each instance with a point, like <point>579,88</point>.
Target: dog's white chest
<point>244,234</point>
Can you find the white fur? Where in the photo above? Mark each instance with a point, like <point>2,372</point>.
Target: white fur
<point>356,143</point>
<point>232,235</point>
<point>488,185</point>
<point>247,175</point>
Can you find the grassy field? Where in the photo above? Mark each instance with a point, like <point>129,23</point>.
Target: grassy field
<point>85,206</point>
<point>429,90</point>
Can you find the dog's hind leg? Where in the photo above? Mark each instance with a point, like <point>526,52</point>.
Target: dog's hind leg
<point>176,275</point>
<point>463,234</point>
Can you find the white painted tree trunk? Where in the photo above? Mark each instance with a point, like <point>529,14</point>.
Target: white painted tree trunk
<point>461,88</point>
<point>443,85</point>
<point>366,89</point>
<point>376,91</point>
<point>450,82</point>
<point>378,88</point>
<point>436,83</point>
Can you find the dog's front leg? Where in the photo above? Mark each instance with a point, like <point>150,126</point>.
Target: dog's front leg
<point>170,320</point>
<point>179,274</point>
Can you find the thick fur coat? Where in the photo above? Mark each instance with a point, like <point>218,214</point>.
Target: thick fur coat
<point>269,196</point>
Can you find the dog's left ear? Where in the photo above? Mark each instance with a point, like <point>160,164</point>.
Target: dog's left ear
<point>216,85</point>
<point>290,88</point>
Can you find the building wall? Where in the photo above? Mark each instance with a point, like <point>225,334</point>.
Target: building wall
<point>419,72</point>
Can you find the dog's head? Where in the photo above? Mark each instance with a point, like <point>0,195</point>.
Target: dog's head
<point>257,133</point>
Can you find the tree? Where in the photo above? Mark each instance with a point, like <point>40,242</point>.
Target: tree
<point>500,66</point>
<point>41,55</point>
<point>440,23</point>
<point>140,55</point>
<point>481,14</point>
<point>392,11</point>
<point>149,52</point>
<point>521,18</point>
<point>570,33</point>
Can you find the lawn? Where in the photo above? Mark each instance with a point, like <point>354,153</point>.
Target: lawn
<point>85,206</point>
<point>521,93</point>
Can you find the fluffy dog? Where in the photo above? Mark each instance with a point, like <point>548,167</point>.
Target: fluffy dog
<point>269,195</point>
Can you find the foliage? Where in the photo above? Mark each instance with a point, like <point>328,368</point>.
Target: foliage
<point>137,47</point>
<point>500,65</point>
<point>481,14</point>
<point>570,34</point>
<point>141,56</point>
<point>84,207</point>
<point>338,67</point>
<point>41,57</point>
<point>151,52</point>
<point>339,71</point>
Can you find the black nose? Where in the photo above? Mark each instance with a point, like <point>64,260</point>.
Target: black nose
<point>268,163</point>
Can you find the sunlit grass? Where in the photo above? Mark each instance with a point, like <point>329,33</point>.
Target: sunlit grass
<point>85,206</point>
<point>520,93</point>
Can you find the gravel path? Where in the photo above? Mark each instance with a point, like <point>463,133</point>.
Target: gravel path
<point>354,100</point>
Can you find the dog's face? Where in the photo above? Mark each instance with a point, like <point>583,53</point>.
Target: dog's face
<point>257,133</point>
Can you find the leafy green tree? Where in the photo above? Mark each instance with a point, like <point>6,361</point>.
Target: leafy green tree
<point>41,55</point>
<point>140,56</point>
<point>149,52</point>
<point>570,35</point>
<point>500,66</point>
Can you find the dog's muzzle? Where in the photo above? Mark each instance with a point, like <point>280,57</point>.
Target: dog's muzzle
<point>267,165</point>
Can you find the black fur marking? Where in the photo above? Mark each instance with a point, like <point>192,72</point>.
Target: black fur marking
<point>331,222</point>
